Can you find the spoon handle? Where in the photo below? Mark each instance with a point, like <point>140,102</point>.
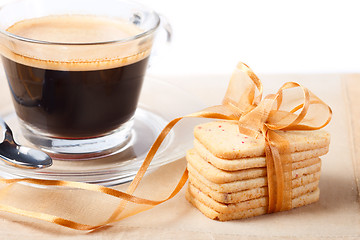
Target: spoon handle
<point>6,131</point>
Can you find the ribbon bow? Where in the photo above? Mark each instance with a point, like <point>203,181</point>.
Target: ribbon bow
<point>293,107</point>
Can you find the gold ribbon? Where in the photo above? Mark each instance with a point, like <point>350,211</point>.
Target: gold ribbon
<point>293,107</point>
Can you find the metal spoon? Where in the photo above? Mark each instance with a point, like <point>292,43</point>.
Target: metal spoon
<point>20,156</point>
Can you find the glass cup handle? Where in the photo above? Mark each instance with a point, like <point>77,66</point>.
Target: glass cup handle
<point>166,26</point>
<point>162,40</point>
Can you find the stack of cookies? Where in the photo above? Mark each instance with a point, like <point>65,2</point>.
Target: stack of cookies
<point>227,170</point>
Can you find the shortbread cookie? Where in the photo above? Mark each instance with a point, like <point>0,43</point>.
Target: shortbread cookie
<point>244,205</point>
<point>239,185</point>
<point>251,162</point>
<point>259,194</point>
<point>216,175</point>
<point>239,214</point>
<point>251,203</point>
<point>309,181</point>
<point>222,139</point>
<point>220,176</point>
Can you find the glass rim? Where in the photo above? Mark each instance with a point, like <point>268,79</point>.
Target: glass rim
<point>123,40</point>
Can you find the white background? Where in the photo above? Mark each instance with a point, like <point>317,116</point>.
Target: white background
<point>277,36</point>
<point>307,36</point>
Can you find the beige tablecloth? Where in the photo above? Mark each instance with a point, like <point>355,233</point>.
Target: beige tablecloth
<point>335,216</point>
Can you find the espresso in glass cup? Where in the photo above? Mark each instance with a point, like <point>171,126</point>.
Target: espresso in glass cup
<point>75,71</point>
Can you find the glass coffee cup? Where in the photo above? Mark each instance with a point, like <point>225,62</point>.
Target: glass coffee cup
<point>75,69</point>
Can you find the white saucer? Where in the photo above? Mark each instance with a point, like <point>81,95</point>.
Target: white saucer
<point>160,102</point>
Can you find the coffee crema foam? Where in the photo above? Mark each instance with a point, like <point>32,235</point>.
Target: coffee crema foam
<point>73,29</point>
